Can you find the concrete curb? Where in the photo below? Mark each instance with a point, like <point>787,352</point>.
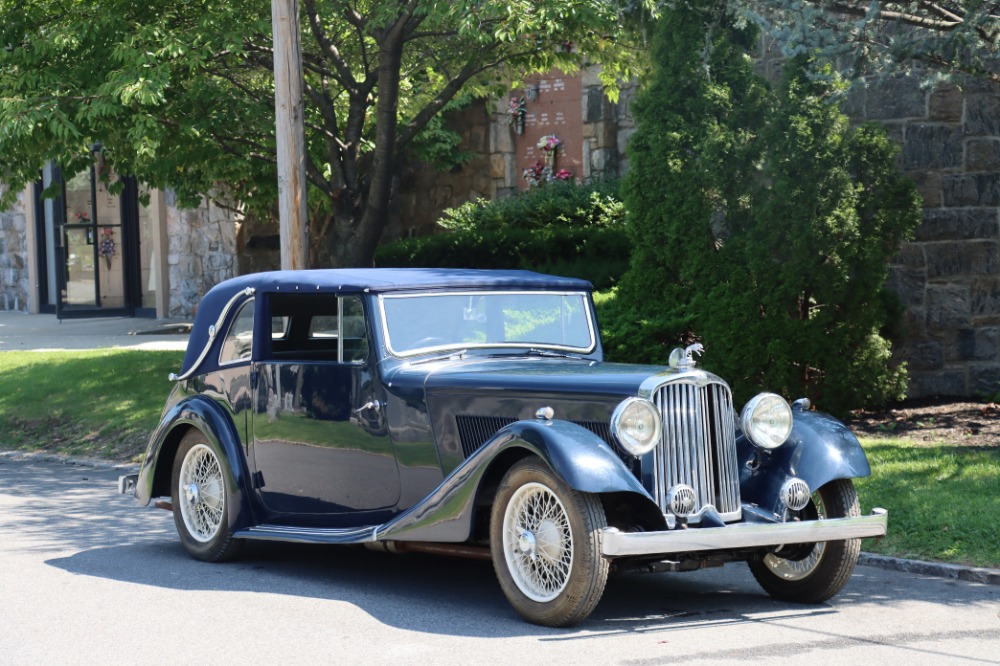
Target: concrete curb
<point>78,461</point>
<point>938,569</point>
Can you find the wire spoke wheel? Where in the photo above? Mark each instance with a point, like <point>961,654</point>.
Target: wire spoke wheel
<point>201,500</point>
<point>545,540</point>
<point>538,542</point>
<point>821,572</point>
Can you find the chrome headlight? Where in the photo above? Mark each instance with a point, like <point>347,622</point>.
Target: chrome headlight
<point>636,425</point>
<point>767,420</point>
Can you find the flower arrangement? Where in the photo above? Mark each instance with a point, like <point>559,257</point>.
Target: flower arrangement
<point>549,143</point>
<point>107,248</point>
<point>517,109</point>
<point>81,217</point>
<point>540,173</point>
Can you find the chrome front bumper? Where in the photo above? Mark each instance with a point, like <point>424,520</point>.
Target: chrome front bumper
<point>616,543</point>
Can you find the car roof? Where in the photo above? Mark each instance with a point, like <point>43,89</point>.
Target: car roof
<point>356,280</point>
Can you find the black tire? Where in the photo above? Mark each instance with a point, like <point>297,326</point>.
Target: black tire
<point>822,572</point>
<point>553,574</point>
<point>201,500</point>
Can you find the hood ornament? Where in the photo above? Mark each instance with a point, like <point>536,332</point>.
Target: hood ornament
<point>683,359</point>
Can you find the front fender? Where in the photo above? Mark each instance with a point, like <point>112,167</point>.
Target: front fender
<point>820,449</point>
<point>214,422</point>
<point>577,456</point>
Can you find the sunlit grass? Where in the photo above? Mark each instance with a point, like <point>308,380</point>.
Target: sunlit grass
<point>943,500</point>
<point>95,403</point>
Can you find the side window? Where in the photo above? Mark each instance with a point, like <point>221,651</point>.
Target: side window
<point>238,344</point>
<point>321,327</point>
<point>353,333</point>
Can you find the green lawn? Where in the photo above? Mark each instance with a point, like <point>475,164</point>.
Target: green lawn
<point>942,500</point>
<point>91,403</point>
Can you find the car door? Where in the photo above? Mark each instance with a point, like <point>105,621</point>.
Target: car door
<point>320,444</point>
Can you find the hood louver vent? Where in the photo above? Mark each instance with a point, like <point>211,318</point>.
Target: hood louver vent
<point>474,431</point>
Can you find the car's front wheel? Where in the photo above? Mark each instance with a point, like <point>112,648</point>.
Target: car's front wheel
<point>546,546</point>
<point>815,574</point>
<point>201,499</point>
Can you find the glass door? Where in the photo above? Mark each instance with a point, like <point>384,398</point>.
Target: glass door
<point>93,276</point>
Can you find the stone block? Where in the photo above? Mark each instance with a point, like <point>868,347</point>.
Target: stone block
<point>976,189</point>
<point>982,115</point>
<point>985,380</point>
<point>624,135</point>
<point>478,139</point>
<point>607,135</point>
<point>956,259</point>
<point>945,103</point>
<point>948,383</point>
<point>931,146</point>
<point>593,99</point>
<point>975,344</point>
<point>896,98</point>
<point>948,306</point>
<point>502,137</point>
<point>497,166</point>
<point>982,155</point>
<point>908,283</point>
<point>928,186</point>
<point>923,356</point>
<point>958,224</point>
<point>985,296</point>
<point>511,173</point>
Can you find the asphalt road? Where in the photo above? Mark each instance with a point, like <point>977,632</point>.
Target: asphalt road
<point>87,577</point>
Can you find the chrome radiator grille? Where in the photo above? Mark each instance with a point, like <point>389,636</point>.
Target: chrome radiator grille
<point>698,446</point>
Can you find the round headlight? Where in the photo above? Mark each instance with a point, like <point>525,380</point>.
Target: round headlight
<point>767,420</point>
<point>636,425</point>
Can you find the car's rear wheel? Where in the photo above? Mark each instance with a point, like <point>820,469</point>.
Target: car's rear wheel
<point>814,575</point>
<point>546,546</point>
<point>201,499</point>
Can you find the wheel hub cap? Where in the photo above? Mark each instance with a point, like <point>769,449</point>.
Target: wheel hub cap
<point>526,543</point>
<point>193,493</point>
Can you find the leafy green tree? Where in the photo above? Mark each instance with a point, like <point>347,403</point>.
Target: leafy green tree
<point>774,225</point>
<point>181,94</point>
<point>952,36</point>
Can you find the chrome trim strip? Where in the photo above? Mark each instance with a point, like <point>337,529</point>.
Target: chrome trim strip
<point>308,534</point>
<point>212,331</point>
<point>615,543</point>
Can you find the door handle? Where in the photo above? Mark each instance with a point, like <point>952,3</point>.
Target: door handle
<point>371,404</point>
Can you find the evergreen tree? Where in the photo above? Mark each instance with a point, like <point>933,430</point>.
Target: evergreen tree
<point>774,250</point>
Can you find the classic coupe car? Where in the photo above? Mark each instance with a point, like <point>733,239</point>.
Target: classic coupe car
<point>471,412</point>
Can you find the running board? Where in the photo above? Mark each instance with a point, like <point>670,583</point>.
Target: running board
<point>308,534</point>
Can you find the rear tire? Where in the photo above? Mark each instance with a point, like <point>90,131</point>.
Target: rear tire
<point>824,570</point>
<point>201,500</point>
<point>545,539</point>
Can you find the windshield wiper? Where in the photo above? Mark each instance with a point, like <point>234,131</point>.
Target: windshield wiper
<point>558,354</point>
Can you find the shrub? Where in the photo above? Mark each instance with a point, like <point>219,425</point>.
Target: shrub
<point>767,223</point>
<point>560,228</point>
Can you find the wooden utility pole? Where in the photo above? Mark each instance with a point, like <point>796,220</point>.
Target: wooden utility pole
<point>290,135</point>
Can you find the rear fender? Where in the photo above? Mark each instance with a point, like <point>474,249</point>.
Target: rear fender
<point>577,456</point>
<point>820,449</point>
<point>205,415</point>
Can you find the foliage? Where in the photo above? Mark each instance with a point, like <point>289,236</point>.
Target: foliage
<point>181,94</point>
<point>773,227</point>
<point>561,228</point>
<point>926,490</point>
<point>92,403</point>
<point>866,37</point>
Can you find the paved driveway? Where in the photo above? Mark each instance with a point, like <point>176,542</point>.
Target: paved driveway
<point>87,577</point>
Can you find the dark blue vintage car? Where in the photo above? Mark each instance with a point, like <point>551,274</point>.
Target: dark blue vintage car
<point>471,412</point>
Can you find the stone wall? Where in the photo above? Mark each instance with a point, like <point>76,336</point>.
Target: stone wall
<point>949,275</point>
<point>201,252</point>
<point>15,284</point>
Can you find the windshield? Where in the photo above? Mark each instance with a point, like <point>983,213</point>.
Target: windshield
<point>420,323</point>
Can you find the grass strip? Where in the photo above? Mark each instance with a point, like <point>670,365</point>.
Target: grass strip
<point>942,500</point>
<point>100,403</point>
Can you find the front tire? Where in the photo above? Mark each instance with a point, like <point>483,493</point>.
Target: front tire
<point>815,576</point>
<point>546,544</point>
<point>201,499</point>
